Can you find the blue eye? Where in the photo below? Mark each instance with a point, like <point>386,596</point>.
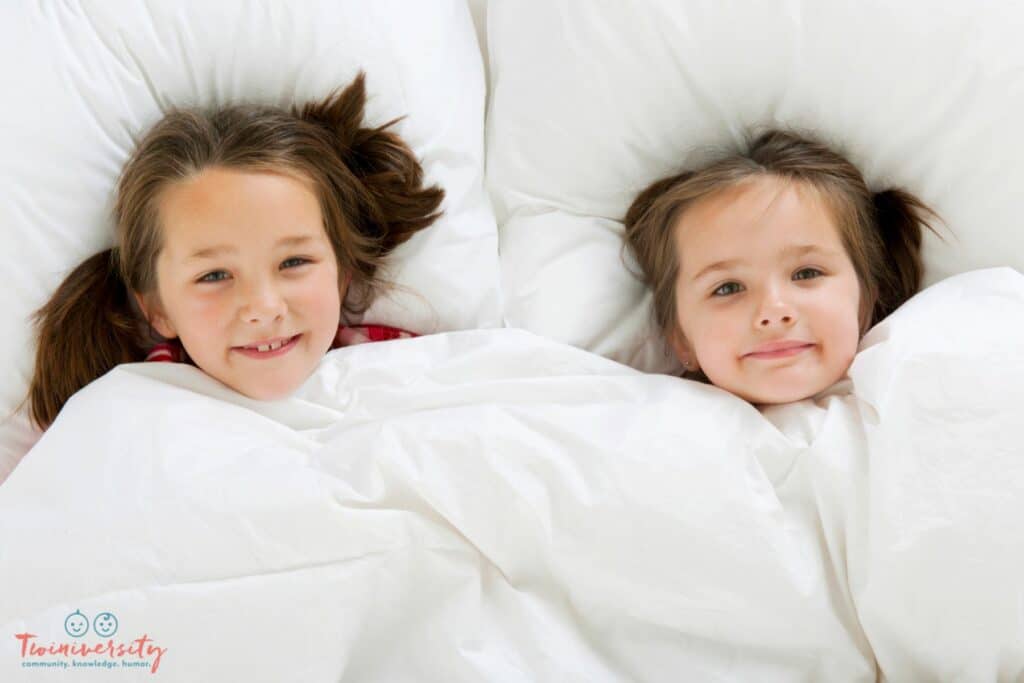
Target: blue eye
<point>287,264</point>
<point>719,292</point>
<point>301,261</point>
<point>808,270</point>
<point>207,278</point>
<point>730,288</point>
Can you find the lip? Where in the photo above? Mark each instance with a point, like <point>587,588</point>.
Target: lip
<point>253,353</point>
<point>780,349</point>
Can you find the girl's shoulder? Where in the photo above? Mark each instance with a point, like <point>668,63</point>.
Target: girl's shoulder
<point>172,351</point>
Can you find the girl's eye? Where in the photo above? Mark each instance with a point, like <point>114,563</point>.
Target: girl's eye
<point>208,277</point>
<point>297,260</point>
<point>730,288</point>
<point>724,289</point>
<point>220,275</point>
<point>815,271</point>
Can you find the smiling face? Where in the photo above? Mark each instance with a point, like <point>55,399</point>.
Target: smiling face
<point>76,624</point>
<point>246,263</point>
<point>786,280</point>
<point>105,624</point>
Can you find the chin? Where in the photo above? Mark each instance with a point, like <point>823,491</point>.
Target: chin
<point>779,399</point>
<point>789,396</point>
<point>271,393</point>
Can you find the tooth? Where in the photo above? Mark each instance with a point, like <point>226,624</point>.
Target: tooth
<point>263,348</point>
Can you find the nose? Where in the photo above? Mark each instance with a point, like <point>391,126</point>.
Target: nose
<point>775,310</point>
<point>262,302</point>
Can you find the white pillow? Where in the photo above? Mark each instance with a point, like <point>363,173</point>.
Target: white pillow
<point>91,77</point>
<point>592,101</point>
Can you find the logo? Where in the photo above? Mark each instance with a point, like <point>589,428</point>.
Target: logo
<point>105,624</point>
<point>141,652</point>
<point>76,624</point>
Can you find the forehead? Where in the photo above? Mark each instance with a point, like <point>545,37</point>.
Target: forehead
<point>229,205</point>
<point>758,217</point>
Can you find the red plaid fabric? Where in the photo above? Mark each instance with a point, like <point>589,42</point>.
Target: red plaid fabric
<point>173,352</point>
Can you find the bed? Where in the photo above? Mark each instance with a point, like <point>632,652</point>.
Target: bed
<point>527,492</point>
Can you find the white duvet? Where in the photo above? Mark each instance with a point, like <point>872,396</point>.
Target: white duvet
<point>492,506</point>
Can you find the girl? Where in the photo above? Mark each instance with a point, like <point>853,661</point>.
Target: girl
<point>767,267</point>
<point>239,237</point>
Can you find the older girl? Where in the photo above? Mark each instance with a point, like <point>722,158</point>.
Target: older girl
<point>240,235</point>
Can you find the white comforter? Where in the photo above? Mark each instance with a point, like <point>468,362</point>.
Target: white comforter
<point>491,506</point>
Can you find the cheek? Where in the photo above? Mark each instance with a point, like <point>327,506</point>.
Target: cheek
<point>320,302</point>
<point>322,292</point>
<point>840,322</point>
<point>711,329</point>
<point>199,317</point>
<point>713,335</point>
<point>206,311</point>
<point>851,334</point>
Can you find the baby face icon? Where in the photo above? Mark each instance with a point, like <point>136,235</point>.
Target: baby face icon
<point>105,624</point>
<point>76,624</point>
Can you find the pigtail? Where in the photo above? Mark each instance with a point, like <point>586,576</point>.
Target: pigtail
<point>899,217</point>
<point>86,328</point>
<point>395,205</point>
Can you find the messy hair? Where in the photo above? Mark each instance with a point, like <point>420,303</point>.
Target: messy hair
<point>368,182</point>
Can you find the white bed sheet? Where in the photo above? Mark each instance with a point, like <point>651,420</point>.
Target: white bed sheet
<point>490,505</point>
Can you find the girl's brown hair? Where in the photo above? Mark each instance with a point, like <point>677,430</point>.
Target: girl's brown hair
<point>368,181</point>
<point>881,231</point>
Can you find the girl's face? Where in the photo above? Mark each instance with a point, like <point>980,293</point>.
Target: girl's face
<point>246,263</point>
<point>761,265</point>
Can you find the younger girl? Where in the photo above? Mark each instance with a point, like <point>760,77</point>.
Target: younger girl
<point>767,267</point>
<point>239,237</point>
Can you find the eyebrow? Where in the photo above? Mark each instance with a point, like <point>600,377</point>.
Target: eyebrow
<point>796,250</point>
<point>210,252</point>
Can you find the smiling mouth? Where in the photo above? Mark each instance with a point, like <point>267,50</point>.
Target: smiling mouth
<point>270,346</point>
<point>271,350</point>
<point>782,353</point>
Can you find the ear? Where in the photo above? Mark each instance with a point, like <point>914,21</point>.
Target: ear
<point>682,350</point>
<point>154,313</point>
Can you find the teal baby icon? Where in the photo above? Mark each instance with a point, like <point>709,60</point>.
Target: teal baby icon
<point>105,624</point>
<point>76,625</point>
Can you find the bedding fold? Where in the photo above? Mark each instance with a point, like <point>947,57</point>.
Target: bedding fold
<point>491,505</point>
